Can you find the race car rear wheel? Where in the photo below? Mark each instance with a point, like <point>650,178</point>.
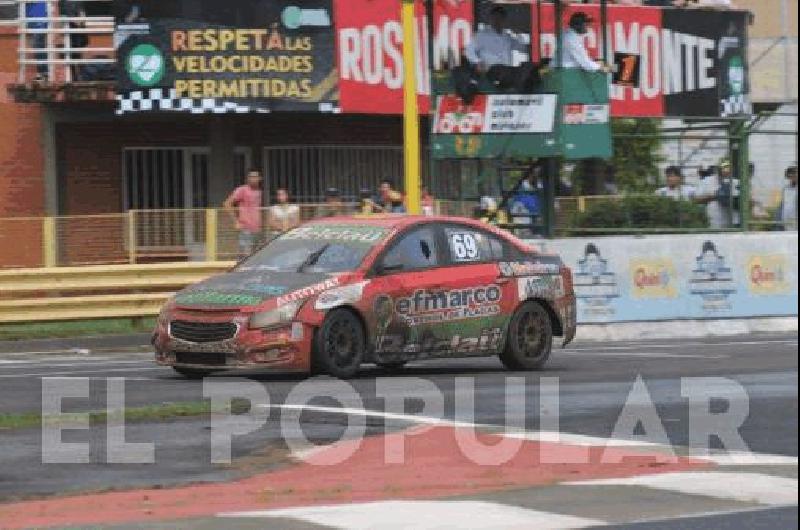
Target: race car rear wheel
<point>339,345</point>
<point>530,338</point>
<point>192,373</point>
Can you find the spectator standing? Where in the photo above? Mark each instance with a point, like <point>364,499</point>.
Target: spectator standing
<point>77,40</point>
<point>675,188</point>
<point>787,211</point>
<point>245,207</point>
<point>720,193</point>
<point>38,41</point>
<point>333,205</point>
<point>283,216</point>
<point>575,54</point>
<point>427,202</point>
<point>391,200</point>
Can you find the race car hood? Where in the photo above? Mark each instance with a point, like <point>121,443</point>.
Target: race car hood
<point>240,289</point>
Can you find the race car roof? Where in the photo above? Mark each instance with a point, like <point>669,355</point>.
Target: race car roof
<point>395,220</point>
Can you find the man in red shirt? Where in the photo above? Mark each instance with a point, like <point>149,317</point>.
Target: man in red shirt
<point>245,206</point>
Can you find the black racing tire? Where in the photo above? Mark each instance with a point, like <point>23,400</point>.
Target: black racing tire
<point>339,345</point>
<point>192,373</point>
<point>394,365</point>
<point>530,338</point>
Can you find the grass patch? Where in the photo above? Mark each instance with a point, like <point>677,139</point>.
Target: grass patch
<point>163,412</point>
<point>77,328</point>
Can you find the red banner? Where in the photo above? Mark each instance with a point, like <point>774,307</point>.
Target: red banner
<point>369,40</point>
<point>680,56</point>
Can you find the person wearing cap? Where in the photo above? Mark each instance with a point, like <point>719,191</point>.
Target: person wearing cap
<point>575,54</point>
<point>675,188</point>
<point>333,205</point>
<point>720,193</point>
<point>491,53</point>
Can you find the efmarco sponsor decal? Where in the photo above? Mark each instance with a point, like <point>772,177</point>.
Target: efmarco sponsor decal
<point>439,306</point>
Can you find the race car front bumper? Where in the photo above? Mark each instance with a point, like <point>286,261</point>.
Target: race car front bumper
<point>286,348</point>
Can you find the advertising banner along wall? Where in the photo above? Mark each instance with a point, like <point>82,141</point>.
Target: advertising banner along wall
<point>346,55</point>
<point>704,276</point>
<point>233,56</point>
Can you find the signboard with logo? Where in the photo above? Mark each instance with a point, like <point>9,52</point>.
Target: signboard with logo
<point>346,55</point>
<point>496,114</point>
<point>628,279</point>
<point>238,56</point>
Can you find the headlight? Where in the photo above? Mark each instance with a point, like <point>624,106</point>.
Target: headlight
<point>282,315</point>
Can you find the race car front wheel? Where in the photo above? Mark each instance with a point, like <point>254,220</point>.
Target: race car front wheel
<point>530,338</point>
<point>339,345</point>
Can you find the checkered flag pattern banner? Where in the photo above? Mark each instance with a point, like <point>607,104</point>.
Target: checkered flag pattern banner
<point>159,99</point>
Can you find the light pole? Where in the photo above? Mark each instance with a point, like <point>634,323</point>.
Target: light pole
<point>411,147</point>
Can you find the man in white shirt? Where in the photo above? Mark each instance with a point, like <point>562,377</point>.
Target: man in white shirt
<point>491,53</point>
<point>575,54</point>
<point>788,209</point>
<point>675,188</point>
<point>720,193</point>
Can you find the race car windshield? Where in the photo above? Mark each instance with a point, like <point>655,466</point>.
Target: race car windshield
<point>316,248</point>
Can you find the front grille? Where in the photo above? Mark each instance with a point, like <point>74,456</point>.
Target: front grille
<point>201,332</point>
<point>207,359</point>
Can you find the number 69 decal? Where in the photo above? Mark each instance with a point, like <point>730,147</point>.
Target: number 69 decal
<point>464,247</point>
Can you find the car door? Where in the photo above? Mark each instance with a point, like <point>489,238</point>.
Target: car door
<point>405,283</point>
<point>480,300</point>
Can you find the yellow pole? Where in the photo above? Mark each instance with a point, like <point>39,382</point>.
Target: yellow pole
<point>132,235</point>
<point>211,234</point>
<point>411,148</point>
<point>49,242</point>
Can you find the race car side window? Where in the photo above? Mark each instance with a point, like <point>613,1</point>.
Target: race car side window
<point>415,250</point>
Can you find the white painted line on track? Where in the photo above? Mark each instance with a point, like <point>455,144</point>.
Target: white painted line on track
<point>646,355</point>
<point>678,344</point>
<point>79,372</point>
<point>739,458</point>
<point>29,365</point>
<point>425,515</point>
<point>743,487</point>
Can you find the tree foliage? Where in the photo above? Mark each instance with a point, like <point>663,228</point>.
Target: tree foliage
<point>636,154</point>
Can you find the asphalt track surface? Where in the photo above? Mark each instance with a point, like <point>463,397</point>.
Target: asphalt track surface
<point>594,382</point>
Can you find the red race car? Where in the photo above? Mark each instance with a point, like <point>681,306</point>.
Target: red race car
<point>335,293</point>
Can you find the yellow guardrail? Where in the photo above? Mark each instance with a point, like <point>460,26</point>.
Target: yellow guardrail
<point>93,292</point>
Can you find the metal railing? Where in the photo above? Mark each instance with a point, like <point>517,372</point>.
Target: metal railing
<point>107,291</point>
<point>196,235</point>
<point>46,43</point>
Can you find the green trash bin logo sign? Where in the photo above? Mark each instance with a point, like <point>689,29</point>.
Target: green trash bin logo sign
<point>145,65</point>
